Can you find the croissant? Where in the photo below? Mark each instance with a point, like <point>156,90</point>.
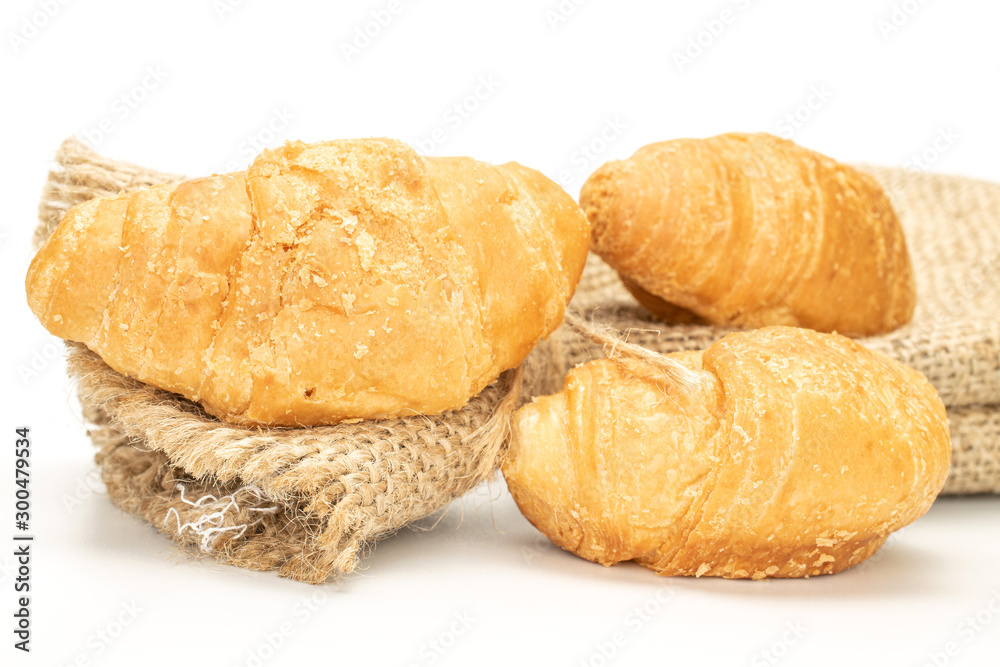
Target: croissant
<point>751,230</point>
<point>790,453</point>
<point>330,281</point>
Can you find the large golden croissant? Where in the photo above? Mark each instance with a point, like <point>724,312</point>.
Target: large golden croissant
<point>752,230</point>
<point>792,453</point>
<point>337,280</point>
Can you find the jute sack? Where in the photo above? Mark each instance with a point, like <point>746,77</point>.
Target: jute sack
<point>303,501</point>
<point>952,227</point>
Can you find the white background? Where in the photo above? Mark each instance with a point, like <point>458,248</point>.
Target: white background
<point>484,583</point>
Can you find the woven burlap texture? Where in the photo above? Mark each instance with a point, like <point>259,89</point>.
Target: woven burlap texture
<point>304,501</point>
<point>952,227</point>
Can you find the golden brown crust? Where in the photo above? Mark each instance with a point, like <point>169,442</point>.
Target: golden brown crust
<point>752,230</point>
<point>796,454</point>
<point>331,281</point>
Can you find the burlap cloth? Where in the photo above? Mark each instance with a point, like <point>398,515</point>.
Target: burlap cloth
<point>307,502</point>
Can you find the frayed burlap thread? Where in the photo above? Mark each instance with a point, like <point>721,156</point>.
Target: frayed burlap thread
<point>952,227</point>
<point>303,501</point>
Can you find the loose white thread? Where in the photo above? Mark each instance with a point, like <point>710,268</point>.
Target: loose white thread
<point>209,525</point>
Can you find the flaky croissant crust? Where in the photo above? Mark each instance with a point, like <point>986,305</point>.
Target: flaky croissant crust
<point>330,281</point>
<point>795,453</point>
<point>752,230</point>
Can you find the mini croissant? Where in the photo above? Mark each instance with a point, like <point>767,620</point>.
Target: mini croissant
<point>751,230</point>
<point>330,281</point>
<point>790,453</point>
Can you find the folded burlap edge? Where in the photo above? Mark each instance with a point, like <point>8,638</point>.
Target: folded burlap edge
<point>304,501</point>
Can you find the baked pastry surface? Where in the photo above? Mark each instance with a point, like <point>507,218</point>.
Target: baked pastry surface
<point>330,281</point>
<point>795,453</point>
<point>752,230</point>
